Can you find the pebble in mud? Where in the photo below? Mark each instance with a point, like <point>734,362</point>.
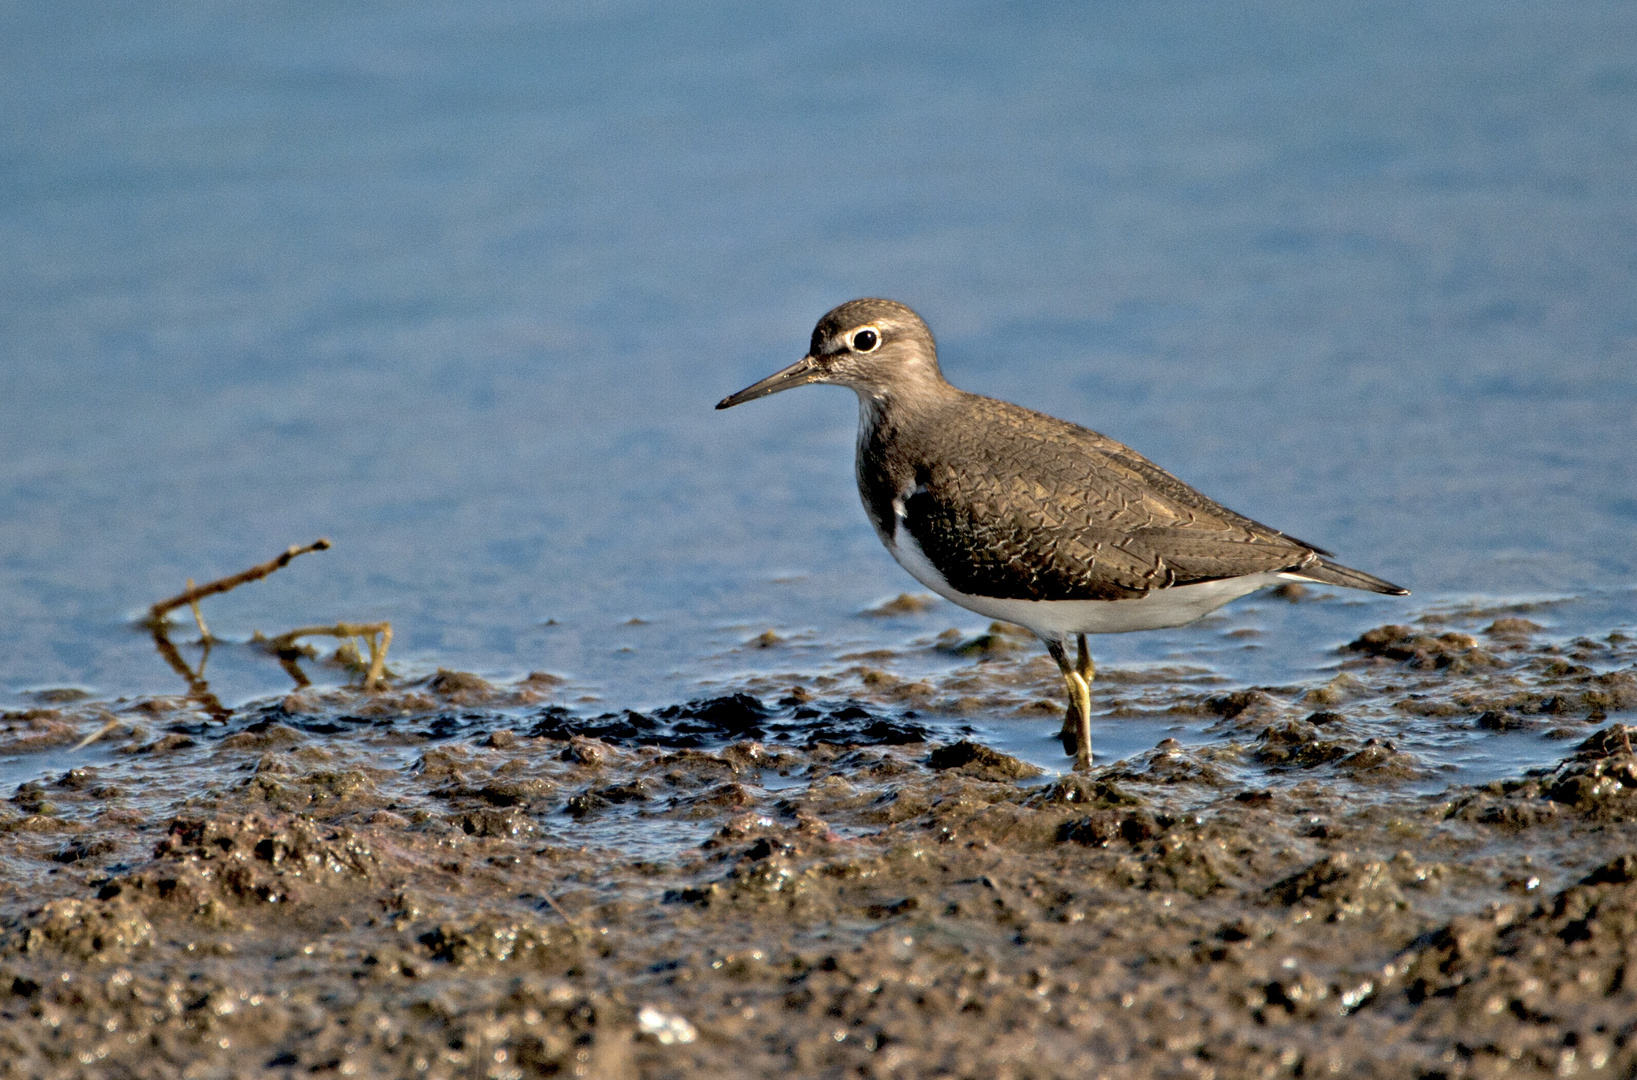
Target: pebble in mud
<point>903,604</point>
<point>977,760</point>
<point>839,892</point>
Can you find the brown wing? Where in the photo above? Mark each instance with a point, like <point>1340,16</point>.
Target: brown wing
<point>1019,505</point>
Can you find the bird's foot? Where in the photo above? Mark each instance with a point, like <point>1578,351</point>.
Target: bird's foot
<point>1082,743</point>
<point>1073,746</point>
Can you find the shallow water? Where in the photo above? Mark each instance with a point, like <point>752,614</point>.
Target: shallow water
<point>459,290</point>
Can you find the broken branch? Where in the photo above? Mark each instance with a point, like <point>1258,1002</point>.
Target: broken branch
<point>195,593</point>
<point>376,636</point>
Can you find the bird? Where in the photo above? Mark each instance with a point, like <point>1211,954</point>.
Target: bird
<point>1022,517</point>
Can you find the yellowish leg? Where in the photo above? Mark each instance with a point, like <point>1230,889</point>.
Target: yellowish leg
<point>1087,672</point>
<point>1076,733</point>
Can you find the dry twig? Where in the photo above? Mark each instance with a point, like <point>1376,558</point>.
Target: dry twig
<point>195,593</point>
<point>110,725</point>
<point>199,620</point>
<point>377,637</point>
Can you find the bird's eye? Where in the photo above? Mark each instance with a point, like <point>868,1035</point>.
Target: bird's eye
<point>866,341</point>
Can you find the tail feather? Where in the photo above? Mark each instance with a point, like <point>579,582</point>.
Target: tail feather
<point>1333,573</point>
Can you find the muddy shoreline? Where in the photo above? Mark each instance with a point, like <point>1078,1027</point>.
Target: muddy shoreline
<point>821,876</point>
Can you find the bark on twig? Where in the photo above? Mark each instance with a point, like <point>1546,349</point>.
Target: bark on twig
<point>377,637</point>
<point>194,593</point>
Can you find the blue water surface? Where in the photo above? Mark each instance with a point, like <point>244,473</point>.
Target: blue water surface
<point>458,285</point>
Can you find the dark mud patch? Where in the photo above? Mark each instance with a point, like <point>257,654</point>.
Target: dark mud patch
<point>710,721</point>
<point>461,879</point>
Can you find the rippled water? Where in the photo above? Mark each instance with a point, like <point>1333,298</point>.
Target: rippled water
<point>458,287</point>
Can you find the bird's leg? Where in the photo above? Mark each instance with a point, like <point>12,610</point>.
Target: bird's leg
<point>1087,672</point>
<point>1070,727</point>
<point>1076,733</point>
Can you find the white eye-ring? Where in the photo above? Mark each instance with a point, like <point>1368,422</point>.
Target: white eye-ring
<point>866,340</point>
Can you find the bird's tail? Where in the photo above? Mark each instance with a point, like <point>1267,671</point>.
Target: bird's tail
<point>1333,573</point>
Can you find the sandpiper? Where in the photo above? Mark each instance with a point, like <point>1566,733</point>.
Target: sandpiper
<point>1023,517</point>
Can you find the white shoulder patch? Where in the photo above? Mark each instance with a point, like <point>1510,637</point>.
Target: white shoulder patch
<point>900,510</point>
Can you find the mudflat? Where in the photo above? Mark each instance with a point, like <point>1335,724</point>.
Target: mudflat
<point>819,877</point>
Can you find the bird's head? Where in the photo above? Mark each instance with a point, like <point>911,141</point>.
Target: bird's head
<point>877,347</point>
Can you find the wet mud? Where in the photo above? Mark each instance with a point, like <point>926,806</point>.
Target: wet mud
<point>842,875</point>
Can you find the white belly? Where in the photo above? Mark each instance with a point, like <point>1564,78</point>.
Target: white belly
<point>1056,620</point>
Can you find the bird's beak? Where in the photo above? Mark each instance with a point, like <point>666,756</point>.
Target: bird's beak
<point>803,371</point>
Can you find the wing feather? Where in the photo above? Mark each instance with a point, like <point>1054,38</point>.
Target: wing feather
<point>1020,505</point>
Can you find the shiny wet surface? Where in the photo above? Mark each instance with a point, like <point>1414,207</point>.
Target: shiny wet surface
<point>456,877</point>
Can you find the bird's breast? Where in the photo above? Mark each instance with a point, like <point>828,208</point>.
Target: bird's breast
<point>882,475</point>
